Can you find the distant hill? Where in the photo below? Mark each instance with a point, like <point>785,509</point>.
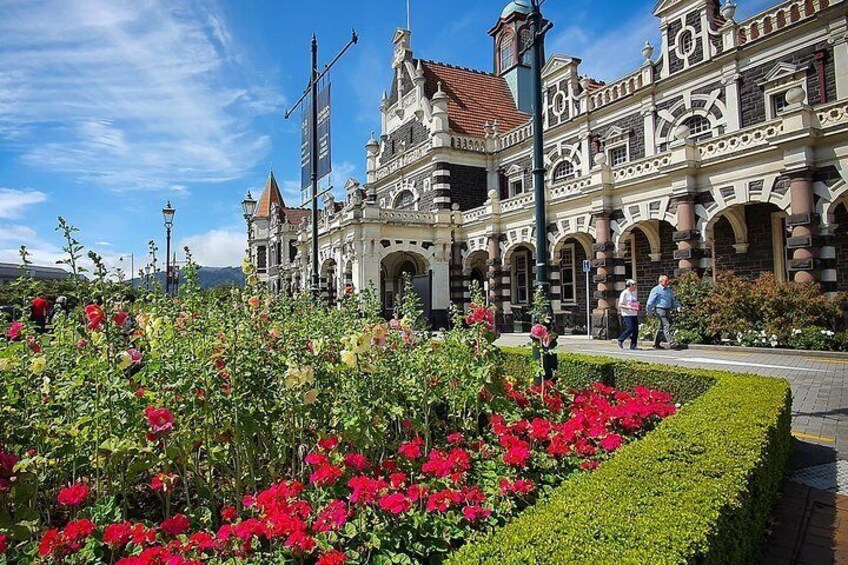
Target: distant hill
<point>209,277</point>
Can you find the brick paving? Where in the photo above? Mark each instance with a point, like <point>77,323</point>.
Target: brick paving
<point>810,525</point>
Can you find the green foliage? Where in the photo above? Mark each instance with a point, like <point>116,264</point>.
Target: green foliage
<point>699,489</point>
<point>762,312</point>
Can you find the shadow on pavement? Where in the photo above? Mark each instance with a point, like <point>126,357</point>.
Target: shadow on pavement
<point>806,528</point>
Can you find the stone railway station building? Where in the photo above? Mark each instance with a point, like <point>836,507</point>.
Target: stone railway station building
<point>727,149</point>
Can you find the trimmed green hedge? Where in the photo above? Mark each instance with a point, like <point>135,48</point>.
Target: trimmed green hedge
<point>698,489</point>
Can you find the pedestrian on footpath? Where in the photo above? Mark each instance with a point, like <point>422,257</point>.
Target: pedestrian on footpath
<point>664,303</point>
<point>38,312</point>
<point>628,305</point>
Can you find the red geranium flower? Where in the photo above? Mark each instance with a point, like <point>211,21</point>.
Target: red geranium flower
<point>229,513</point>
<point>175,525</point>
<point>328,443</point>
<point>159,419</point>
<point>476,513</point>
<point>73,495</point>
<point>4,544</point>
<point>333,557</point>
<point>117,535</point>
<point>395,503</point>
<point>95,316</point>
<point>325,474</point>
<point>332,517</point>
<point>356,461</point>
<point>411,449</point>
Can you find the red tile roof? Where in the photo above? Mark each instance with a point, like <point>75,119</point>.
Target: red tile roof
<point>270,196</point>
<point>295,215</point>
<point>474,98</point>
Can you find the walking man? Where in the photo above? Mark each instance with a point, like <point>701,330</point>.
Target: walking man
<point>663,302</point>
<point>38,312</point>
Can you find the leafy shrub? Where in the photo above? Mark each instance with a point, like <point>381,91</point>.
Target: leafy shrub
<point>814,338</point>
<point>755,313</point>
<point>699,489</point>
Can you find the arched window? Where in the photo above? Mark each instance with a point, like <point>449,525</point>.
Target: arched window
<point>564,171</point>
<point>699,127</point>
<point>526,38</point>
<point>507,51</point>
<point>404,200</point>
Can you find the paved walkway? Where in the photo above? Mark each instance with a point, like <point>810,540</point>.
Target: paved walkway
<point>810,525</point>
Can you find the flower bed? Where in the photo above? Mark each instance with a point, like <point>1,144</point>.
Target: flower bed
<point>699,489</point>
<point>194,430</point>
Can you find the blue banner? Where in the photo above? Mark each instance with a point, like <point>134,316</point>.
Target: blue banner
<point>324,156</point>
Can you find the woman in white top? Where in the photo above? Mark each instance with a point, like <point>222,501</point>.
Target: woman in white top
<point>628,305</point>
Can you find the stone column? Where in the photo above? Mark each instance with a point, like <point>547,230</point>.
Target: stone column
<point>494,276</point>
<point>458,281</point>
<point>604,318</point>
<point>686,237</point>
<point>803,221</point>
<point>441,187</point>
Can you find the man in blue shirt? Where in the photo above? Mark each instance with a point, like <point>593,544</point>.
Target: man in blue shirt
<point>663,302</point>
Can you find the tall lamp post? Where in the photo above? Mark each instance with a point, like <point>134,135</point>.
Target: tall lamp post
<point>248,207</point>
<point>168,213</point>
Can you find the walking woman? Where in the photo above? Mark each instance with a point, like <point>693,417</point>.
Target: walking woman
<point>628,305</point>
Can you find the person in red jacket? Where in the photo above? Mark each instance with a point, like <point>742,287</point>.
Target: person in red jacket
<point>39,311</point>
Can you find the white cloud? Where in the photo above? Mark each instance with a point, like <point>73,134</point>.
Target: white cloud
<point>13,202</point>
<point>217,248</point>
<point>11,233</point>
<point>129,94</point>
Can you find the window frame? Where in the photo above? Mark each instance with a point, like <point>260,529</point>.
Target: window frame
<point>526,58</point>
<point>513,183</point>
<point>521,279</point>
<point>700,135</point>
<point>570,281</point>
<point>398,205</point>
<point>572,171</point>
<point>508,40</point>
<point>618,147</point>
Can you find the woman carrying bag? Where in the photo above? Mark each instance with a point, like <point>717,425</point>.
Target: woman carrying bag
<point>628,306</point>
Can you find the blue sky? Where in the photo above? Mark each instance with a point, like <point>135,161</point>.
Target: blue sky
<point>108,108</point>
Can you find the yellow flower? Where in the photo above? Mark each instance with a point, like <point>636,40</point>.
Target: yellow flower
<point>5,364</point>
<point>124,360</point>
<point>298,376</point>
<point>97,338</point>
<point>247,266</point>
<point>310,396</point>
<point>45,386</point>
<point>37,365</point>
<point>317,346</point>
<point>349,358</point>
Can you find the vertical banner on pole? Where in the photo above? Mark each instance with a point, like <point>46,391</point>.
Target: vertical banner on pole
<point>324,155</point>
<point>587,268</point>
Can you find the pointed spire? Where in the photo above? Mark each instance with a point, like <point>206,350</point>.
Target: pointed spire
<point>270,196</point>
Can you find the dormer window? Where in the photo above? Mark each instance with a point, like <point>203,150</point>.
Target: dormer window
<point>563,171</point>
<point>526,37</point>
<point>507,51</point>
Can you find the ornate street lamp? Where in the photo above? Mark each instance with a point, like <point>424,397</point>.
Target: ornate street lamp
<point>168,213</point>
<point>248,207</point>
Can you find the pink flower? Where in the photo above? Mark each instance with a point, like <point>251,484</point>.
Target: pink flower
<point>120,318</point>
<point>4,544</point>
<point>541,333</point>
<point>14,332</point>
<point>164,482</point>
<point>589,465</point>
<point>159,419</point>
<point>456,438</point>
<point>175,525</point>
<point>73,495</point>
